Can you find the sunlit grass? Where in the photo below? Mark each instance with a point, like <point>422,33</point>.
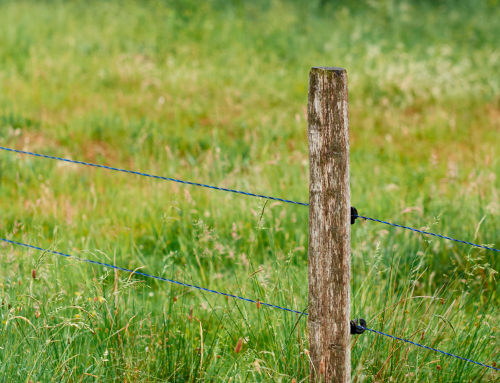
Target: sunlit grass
<point>216,93</point>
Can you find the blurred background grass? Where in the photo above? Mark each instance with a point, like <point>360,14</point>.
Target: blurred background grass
<point>215,92</point>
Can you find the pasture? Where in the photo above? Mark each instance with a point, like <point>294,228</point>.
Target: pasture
<point>215,92</point>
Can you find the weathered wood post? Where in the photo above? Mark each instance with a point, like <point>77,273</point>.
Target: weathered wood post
<point>329,256</point>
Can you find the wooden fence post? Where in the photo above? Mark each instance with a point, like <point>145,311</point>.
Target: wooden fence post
<point>329,255</point>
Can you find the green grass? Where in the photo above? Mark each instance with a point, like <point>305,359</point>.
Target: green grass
<point>214,92</point>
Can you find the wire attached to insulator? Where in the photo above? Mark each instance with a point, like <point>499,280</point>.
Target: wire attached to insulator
<point>358,327</point>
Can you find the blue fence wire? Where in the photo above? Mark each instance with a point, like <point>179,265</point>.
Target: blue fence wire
<point>152,176</point>
<point>218,292</point>
<point>429,348</point>
<point>144,274</point>
<point>428,233</point>
<point>228,295</point>
<point>233,191</point>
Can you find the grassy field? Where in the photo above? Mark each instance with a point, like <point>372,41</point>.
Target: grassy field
<point>215,92</point>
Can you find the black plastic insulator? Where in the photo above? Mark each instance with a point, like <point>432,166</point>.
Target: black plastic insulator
<point>355,326</point>
<point>354,215</point>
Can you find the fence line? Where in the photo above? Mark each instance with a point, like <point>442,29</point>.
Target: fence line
<point>428,233</point>
<point>152,176</point>
<point>230,296</point>
<point>236,191</point>
<point>221,293</point>
<point>145,275</point>
<point>429,348</point>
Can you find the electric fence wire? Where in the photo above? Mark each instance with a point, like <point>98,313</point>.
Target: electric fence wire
<point>151,176</point>
<point>234,191</point>
<point>145,275</point>
<point>221,293</point>
<point>429,348</point>
<point>229,295</point>
<point>428,233</point>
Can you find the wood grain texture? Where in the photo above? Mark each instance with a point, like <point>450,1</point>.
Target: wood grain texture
<point>329,256</point>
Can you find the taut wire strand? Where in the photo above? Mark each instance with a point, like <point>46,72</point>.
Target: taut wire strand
<point>233,191</point>
<point>231,296</point>
<point>145,275</point>
<point>430,348</point>
<point>152,176</point>
<point>427,233</point>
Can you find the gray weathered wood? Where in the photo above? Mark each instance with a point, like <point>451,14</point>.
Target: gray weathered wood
<point>329,256</point>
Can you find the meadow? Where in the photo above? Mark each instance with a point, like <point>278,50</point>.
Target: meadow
<point>215,92</point>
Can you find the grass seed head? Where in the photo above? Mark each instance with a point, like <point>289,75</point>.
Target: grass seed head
<point>438,367</point>
<point>294,380</point>
<point>33,273</point>
<point>494,364</point>
<point>257,366</point>
<point>37,314</point>
<point>258,303</point>
<point>322,367</point>
<point>237,349</point>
